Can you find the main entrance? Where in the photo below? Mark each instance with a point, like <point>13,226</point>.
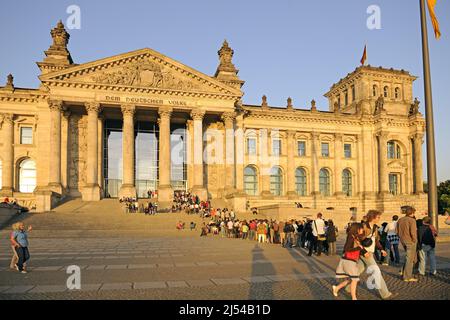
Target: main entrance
<point>146,136</point>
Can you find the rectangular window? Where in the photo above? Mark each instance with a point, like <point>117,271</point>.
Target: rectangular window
<point>276,147</point>
<point>251,146</point>
<point>325,150</point>
<point>394,184</point>
<point>345,97</point>
<point>301,148</point>
<point>391,150</point>
<point>353,93</point>
<point>26,135</point>
<point>347,150</point>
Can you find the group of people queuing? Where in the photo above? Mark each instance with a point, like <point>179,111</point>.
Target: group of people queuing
<point>369,244</point>
<point>315,235</point>
<point>132,205</point>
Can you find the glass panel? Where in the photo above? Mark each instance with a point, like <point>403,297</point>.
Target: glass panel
<point>300,180</point>
<point>178,158</point>
<point>325,150</point>
<point>251,146</point>
<point>250,181</point>
<point>391,150</point>
<point>276,147</point>
<point>301,146</point>
<point>27,176</point>
<point>26,135</point>
<point>347,183</point>
<point>276,182</point>
<point>348,150</point>
<point>393,184</point>
<point>112,158</point>
<point>324,182</point>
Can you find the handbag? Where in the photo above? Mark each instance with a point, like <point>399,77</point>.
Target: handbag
<point>352,255</point>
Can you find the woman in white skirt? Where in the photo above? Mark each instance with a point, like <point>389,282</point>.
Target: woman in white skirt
<point>348,265</point>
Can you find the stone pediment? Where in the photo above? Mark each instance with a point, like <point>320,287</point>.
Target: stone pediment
<point>143,69</point>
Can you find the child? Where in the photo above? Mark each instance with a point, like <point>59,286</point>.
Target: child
<point>348,265</point>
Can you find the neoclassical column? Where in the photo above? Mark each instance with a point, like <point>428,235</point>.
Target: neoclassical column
<point>7,126</point>
<point>338,153</point>
<point>64,150</point>
<point>189,153</point>
<point>315,150</point>
<point>56,108</point>
<point>198,188</point>
<point>128,188</point>
<point>230,166</point>
<point>100,152</point>
<point>291,189</point>
<point>165,192</point>
<point>418,140</point>
<point>91,191</point>
<point>382,161</point>
<point>265,163</point>
<point>240,155</point>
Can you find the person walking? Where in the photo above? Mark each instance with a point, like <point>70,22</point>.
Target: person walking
<point>15,257</point>
<point>392,241</point>
<point>347,268</point>
<point>19,240</point>
<point>426,243</point>
<point>281,225</point>
<point>371,231</point>
<point>407,232</point>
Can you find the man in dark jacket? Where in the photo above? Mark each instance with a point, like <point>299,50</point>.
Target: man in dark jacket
<point>426,244</point>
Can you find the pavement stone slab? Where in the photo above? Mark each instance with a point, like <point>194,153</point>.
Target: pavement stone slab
<point>177,284</point>
<point>18,289</point>
<point>116,286</point>
<point>150,285</point>
<point>228,281</point>
<point>48,288</point>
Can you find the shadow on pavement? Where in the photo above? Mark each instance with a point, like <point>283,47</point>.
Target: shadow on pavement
<point>260,289</point>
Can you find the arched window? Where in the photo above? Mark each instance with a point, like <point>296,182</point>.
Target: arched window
<point>375,90</point>
<point>347,187</point>
<point>386,91</point>
<point>276,181</point>
<point>300,181</point>
<point>397,93</point>
<point>27,176</point>
<point>250,181</point>
<point>324,182</point>
<point>394,150</point>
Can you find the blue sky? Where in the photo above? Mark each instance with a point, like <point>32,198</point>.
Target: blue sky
<point>283,48</point>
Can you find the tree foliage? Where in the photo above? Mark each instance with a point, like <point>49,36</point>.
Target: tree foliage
<point>444,197</point>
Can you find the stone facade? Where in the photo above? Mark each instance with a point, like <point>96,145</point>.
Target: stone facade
<point>373,131</point>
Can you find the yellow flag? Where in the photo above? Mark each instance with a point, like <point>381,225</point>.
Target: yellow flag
<point>434,20</point>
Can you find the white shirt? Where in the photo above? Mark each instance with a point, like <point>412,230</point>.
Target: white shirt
<point>318,227</point>
<point>391,228</point>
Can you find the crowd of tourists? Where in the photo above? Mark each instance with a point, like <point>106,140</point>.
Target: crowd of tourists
<point>132,205</point>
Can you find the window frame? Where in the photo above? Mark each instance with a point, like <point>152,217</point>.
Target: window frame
<point>322,144</point>
<point>21,136</point>
<point>345,151</point>
<point>253,139</point>
<point>304,148</point>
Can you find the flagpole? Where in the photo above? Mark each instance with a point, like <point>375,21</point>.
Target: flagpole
<point>431,151</point>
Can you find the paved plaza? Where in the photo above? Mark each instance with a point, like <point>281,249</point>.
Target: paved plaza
<point>131,257</point>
